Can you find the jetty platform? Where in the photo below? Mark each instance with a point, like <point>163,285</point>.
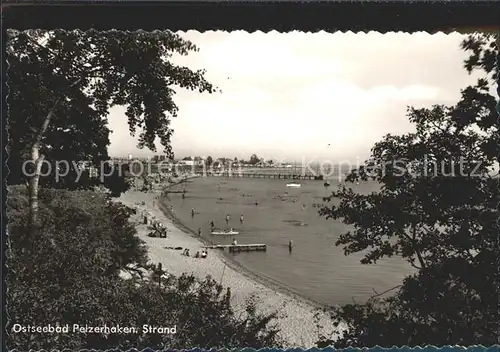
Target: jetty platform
<point>284,176</point>
<point>239,247</point>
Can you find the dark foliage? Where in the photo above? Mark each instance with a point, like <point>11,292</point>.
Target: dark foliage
<point>209,161</point>
<point>437,208</point>
<point>80,75</point>
<point>254,159</point>
<point>70,273</point>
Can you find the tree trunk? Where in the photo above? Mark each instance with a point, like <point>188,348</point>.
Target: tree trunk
<point>33,185</point>
<point>38,162</point>
<point>415,247</point>
<point>37,159</point>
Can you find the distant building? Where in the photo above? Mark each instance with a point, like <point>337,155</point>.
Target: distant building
<point>187,162</point>
<point>201,161</point>
<point>86,165</point>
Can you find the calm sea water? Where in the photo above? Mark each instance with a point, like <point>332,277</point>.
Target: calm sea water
<point>315,268</point>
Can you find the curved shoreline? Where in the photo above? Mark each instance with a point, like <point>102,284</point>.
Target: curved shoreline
<point>259,278</point>
<point>299,321</point>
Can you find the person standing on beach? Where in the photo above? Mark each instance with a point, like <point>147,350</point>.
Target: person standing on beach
<point>227,219</point>
<point>241,219</point>
<point>290,246</point>
<point>212,225</point>
<point>199,231</point>
<point>192,212</point>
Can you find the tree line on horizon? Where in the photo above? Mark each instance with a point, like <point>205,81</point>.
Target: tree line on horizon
<point>209,161</point>
<point>69,245</point>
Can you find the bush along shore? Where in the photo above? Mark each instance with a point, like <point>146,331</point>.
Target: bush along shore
<point>69,270</point>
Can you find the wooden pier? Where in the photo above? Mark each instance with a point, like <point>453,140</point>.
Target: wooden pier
<point>240,247</point>
<point>264,175</point>
<point>239,172</point>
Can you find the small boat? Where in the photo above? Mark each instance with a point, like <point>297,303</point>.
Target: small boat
<point>326,184</point>
<point>224,233</point>
<point>293,185</point>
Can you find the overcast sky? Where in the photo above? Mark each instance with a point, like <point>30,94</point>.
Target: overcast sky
<point>298,95</point>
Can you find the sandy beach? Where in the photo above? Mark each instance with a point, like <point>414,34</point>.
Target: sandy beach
<point>296,315</point>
